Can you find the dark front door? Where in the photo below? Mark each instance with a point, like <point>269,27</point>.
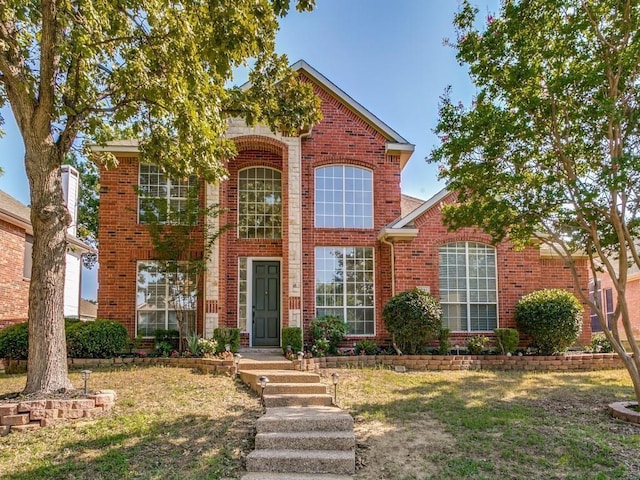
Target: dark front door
<point>266,304</point>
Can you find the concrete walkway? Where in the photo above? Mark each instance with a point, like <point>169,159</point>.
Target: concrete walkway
<point>301,436</point>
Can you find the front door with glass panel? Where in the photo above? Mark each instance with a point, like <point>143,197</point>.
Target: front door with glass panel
<point>266,303</point>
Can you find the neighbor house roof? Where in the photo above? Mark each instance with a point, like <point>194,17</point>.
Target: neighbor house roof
<point>16,213</point>
<point>396,143</point>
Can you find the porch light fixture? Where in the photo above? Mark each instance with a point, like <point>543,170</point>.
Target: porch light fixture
<point>300,358</point>
<point>334,378</point>
<point>85,377</point>
<point>236,362</point>
<point>262,383</point>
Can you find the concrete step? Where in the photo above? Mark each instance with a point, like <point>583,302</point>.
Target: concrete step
<point>304,419</point>
<point>297,400</point>
<point>342,440</point>
<point>278,388</point>
<point>293,476</point>
<point>302,461</point>
<point>248,364</point>
<point>250,377</point>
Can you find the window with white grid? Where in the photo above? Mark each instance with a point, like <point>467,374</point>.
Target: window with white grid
<point>162,296</point>
<point>259,203</point>
<point>468,287</point>
<point>345,286</point>
<point>159,195</point>
<point>344,197</point>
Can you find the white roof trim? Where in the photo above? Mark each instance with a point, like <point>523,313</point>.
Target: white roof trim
<point>398,233</point>
<point>113,147</point>
<point>404,221</point>
<point>359,109</point>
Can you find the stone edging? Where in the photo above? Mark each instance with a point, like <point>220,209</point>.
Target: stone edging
<point>32,414</point>
<point>559,363</point>
<point>622,411</point>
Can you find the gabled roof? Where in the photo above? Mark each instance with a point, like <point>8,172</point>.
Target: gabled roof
<point>408,204</point>
<point>408,219</point>
<point>16,213</point>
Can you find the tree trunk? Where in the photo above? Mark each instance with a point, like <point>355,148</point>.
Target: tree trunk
<point>47,363</point>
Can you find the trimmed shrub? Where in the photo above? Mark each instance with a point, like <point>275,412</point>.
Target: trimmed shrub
<point>14,341</point>
<point>445,342</point>
<point>507,340</point>
<point>292,336</point>
<point>366,347</point>
<point>477,344</point>
<point>227,336</point>
<point>552,317</point>
<point>329,328</point>
<point>97,339</point>
<point>600,344</point>
<point>414,318</point>
<point>170,337</point>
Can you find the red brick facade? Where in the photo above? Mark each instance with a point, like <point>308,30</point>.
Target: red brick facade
<point>14,288</point>
<point>345,136</point>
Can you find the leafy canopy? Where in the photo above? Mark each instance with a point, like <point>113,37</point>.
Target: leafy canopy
<point>151,70</point>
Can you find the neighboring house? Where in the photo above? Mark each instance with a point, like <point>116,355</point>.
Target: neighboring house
<point>608,296</point>
<point>16,244</point>
<point>318,226</point>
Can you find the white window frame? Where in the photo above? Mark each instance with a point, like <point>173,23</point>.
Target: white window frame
<point>344,215</point>
<point>168,185</point>
<point>239,213</point>
<point>166,309</point>
<point>468,302</point>
<point>344,306</point>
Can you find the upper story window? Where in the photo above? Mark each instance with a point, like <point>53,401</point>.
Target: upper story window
<point>468,287</point>
<point>160,195</point>
<point>259,203</point>
<point>344,197</point>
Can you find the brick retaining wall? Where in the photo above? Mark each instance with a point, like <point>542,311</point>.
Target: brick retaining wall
<point>560,363</point>
<point>32,414</point>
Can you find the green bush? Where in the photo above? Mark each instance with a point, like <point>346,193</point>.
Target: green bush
<point>227,336</point>
<point>292,336</point>
<point>553,319</point>
<point>477,344</point>
<point>368,347</point>
<point>413,318</point>
<point>97,339</point>
<point>320,347</point>
<point>208,346</point>
<point>600,344</point>
<point>329,328</point>
<point>445,342</point>
<point>193,345</point>
<point>171,337</point>
<point>14,341</point>
<point>507,339</point>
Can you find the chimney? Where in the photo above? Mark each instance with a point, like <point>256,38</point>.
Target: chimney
<point>70,186</point>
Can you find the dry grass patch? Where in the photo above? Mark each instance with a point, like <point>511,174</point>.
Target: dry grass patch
<point>487,425</point>
<point>167,423</point>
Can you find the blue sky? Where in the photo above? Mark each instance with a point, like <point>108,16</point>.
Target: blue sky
<point>386,54</point>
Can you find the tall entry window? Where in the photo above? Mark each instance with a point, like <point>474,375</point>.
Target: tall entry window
<point>468,287</point>
<point>345,286</point>
<point>344,197</point>
<point>259,203</point>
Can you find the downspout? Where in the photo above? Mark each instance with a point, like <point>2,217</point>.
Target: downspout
<point>393,268</point>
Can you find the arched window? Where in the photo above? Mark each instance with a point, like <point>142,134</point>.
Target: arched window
<point>468,287</point>
<point>259,203</point>
<point>344,197</point>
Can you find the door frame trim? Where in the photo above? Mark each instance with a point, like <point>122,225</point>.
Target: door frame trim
<point>250,261</point>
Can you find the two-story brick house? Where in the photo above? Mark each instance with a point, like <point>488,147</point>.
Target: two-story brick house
<point>318,225</point>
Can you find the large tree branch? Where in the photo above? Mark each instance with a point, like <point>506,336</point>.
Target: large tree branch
<point>48,67</point>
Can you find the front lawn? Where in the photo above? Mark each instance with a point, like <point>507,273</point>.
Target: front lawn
<point>489,425</point>
<point>172,423</point>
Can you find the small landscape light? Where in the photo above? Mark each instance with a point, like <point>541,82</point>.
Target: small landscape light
<point>85,377</point>
<point>227,348</point>
<point>262,383</point>
<point>300,358</point>
<point>236,362</point>
<point>334,378</point>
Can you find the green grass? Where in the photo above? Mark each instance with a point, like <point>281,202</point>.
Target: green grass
<point>168,423</point>
<point>487,425</point>
<point>171,423</point>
